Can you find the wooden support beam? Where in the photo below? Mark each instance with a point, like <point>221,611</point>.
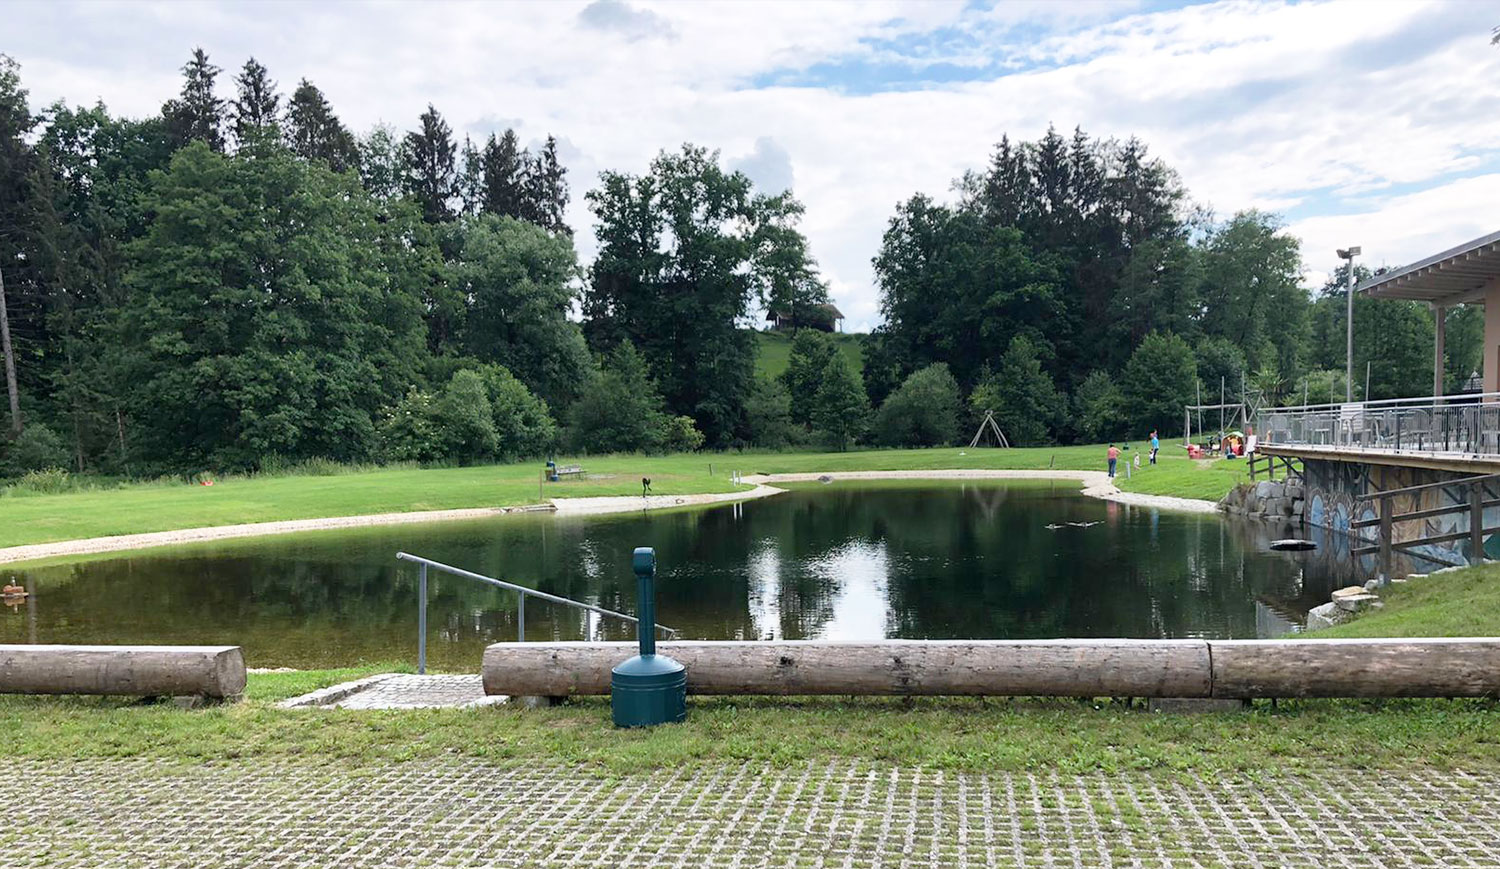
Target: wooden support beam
<point>1424,514</point>
<point>1064,668</point>
<point>148,671</point>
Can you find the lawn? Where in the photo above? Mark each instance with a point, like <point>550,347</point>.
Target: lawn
<point>774,351</point>
<point>953,733</point>
<point>1457,603</point>
<point>156,507</point>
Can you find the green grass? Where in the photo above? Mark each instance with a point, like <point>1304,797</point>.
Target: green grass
<point>156,507</point>
<point>1458,603</point>
<point>968,734</point>
<point>774,351</point>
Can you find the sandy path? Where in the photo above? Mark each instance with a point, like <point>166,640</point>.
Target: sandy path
<point>632,503</point>
<point>93,545</point>
<point>1096,484</point>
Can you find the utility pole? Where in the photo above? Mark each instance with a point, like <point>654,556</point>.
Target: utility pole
<point>10,361</point>
<point>1348,256</point>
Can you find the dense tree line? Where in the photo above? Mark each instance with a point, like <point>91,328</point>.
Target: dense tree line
<point>240,282</point>
<point>1073,290</point>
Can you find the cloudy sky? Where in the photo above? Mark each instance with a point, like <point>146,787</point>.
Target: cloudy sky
<point>1370,123</point>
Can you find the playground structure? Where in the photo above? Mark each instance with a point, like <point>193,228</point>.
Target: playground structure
<point>988,424</point>
<point>1231,415</point>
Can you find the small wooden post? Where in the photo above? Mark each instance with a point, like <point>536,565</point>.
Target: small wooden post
<point>1476,522</point>
<point>1387,509</point>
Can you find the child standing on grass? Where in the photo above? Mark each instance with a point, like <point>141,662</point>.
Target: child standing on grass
<point>1114,457</point>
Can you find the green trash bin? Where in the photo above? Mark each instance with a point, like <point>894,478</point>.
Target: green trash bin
<point>648,689</point>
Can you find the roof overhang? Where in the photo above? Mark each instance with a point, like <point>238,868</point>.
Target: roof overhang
<point>1453,277</point>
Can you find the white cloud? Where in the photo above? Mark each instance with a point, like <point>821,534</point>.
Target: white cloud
<point>768,166</point>
<point>1399,230</point>
<point>1318,106</point>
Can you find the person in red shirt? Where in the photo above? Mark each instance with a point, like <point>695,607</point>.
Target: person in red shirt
<point>1114,456</point>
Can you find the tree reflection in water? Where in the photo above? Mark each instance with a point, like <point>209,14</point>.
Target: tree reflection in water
<point>844,561</point>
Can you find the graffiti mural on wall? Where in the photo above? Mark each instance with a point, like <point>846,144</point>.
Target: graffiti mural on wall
<point>1333,488</point>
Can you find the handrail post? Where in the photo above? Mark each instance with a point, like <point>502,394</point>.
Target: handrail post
<point>521,616</point>
<point>1476,522</point>
<point>421,619</point>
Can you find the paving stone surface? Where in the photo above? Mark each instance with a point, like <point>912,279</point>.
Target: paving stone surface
<point>138,813</point>
<point>417,692</point>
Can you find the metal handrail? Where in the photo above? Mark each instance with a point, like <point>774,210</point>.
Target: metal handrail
<point>521,594</point>
<point>1419,401</point>
<point>1466,425</point>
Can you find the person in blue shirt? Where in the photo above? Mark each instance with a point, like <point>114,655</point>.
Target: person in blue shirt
<point>1155,445</point>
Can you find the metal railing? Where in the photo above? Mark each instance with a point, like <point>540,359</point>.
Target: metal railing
<point>1465,424</point>
<point>522,592</point>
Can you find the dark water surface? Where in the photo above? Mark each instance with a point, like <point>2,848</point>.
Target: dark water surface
<point>843,561</point>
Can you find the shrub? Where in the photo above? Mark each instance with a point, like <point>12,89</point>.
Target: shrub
<point>408,432</point>
<point>37,448</point>
<point>681,435</point>
<point>922,412</point>
<point>50,481</point>
<point>465,418</point>
<point>523,424</point>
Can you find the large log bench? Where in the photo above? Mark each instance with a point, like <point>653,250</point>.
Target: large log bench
<point>150,671</point>
<point>1227,669</point>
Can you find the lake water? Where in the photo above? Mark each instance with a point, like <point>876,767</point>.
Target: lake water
<point>843,561</point>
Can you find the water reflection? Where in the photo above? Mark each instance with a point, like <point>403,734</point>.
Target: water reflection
<point>934,560</point>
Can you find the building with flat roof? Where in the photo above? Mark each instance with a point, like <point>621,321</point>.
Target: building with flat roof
<point>1466,274</point>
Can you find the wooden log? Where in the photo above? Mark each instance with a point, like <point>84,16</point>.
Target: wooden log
<point>1356,668</point>
<point>151,671</point>
<point>1062,668</point>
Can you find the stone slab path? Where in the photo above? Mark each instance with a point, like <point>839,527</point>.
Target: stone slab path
<point>398,691</point>
<point>463,813</point>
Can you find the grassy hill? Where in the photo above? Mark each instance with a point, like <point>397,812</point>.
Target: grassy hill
<point>774,349</point>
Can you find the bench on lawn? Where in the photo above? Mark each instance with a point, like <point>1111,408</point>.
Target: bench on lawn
<point>149,671</point>
<point>570,471</point>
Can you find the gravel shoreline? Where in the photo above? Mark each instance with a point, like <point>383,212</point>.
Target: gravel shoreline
<point>1096,484</point>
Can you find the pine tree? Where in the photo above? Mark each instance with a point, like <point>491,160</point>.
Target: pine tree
<point>431,174</point>
<point>471,178</point>
<point>314,132</point>
<point>547,189</point>
<point>842,407</point>
<point>196,115</point>
<point>505,176</point>
<point>1022,395</point>
<point>811,352</point>
<point>257,112</point>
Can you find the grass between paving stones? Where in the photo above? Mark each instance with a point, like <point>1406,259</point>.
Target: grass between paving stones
<point>950,733</point>
<point>155,507</point>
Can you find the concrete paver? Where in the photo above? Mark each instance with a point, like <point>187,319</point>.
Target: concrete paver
<point>408,691</point>
<point>455,812</point>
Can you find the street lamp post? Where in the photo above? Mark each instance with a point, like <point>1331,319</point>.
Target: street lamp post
<point>1348,256</point>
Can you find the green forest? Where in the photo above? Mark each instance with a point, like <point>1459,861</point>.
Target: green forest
<point>246,285</point>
